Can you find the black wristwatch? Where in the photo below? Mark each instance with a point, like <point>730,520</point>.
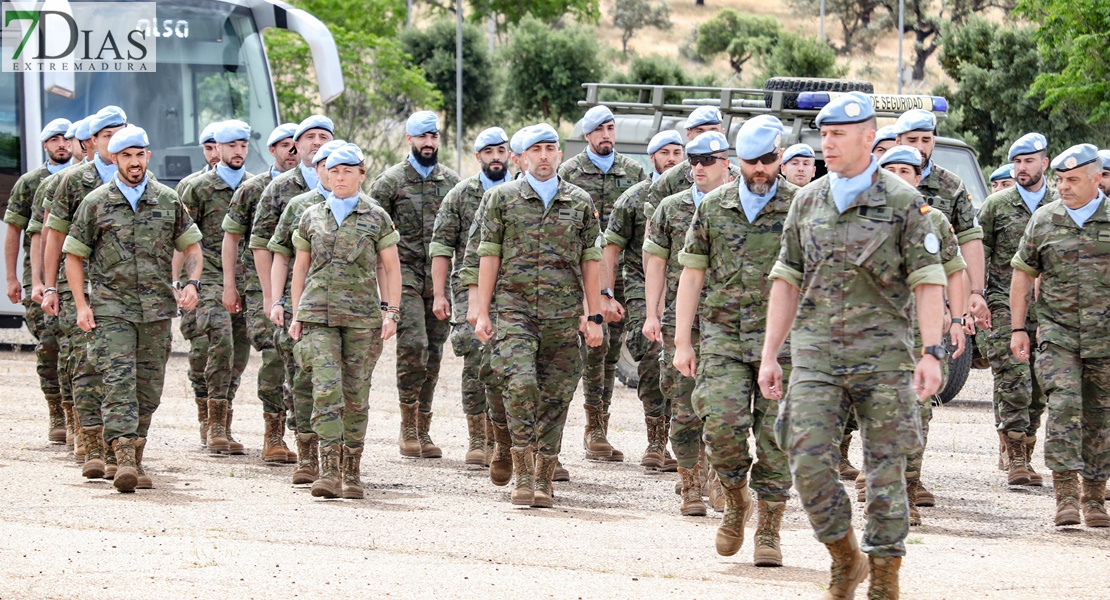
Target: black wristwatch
<point>938,352</point>
<point>596,319</point>
<point>607,292</point>
<point>957,320</point>
<point>193,282</point>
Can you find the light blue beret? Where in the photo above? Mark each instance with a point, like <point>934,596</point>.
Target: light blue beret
<point>596,117</point>
<point>232,131</point>
<point>109,116</point>
<point>130,136</point>
<point>704,115</point>
<point>663,138</point>
<point>514,142</point>
<point>71,132</point>
<point>709,142</point>
<point>314,122</point>
<point>421,122</point>
<point>767,120</point>
<point>803,150</point>
<point>347,154</point>
<point>902,155</point>
<point>539,133</point>
<point>1105,156</point>
<point>1075,157</point>
<point>884,134</point>
<point>325,151</point>
<point>494,136</point>
<point>82,131</point>
<point>55,127</point>
<point>208,134</point>
<point>755,138</point>
<point>853,107</point>
<point>1003,172</point>
<point>285,130</point>
<point>1030,143</point>
<point>917,119</point>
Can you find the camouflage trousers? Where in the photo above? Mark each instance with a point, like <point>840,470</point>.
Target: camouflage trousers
<point>339,361</point>
<point>271,373</point>
<point>420,339</point>
<point>198,352</point>
<point>297,384</point>
<point>539,362</point>
<point>925,409</point>
<point>493,386</point>
<point>599,373</point>
<point>809,426</point>
<point>1018,400</point>
<point>77,376</point>
<point>228,345</point>
<point>467,346</point>
<point>1077,432</point>
<point>647,353</point>
<point>678,389</point>
<point>727,400</point>
<point>131,358</point>
<point>45,330</point>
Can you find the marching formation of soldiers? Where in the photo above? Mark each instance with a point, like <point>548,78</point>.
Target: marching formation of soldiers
<point>766,308</point>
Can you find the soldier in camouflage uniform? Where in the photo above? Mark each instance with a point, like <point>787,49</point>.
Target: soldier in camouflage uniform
<point>411,192</point>
<point>680,177</point>
<point>1018,400</point>
<point>1067,245</point>
<point>127,232</point>
<point>604,174</point>
<point>208,198</point>
<point>734,239</point>
<point>539,250</point>
<point>799,164</point>
<point>237,224</point>
<point>449,236</point>
<point>17,216</point>
<point>625,229</point>
<point>885,139</point>
<point>857,252</point>
<point>340,243</point>
<point>1002,178</point>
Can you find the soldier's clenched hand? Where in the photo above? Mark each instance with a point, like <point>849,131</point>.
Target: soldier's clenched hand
<point>1019,345</point>
<point>441,307</point>
<point>188,299</point>
<point>594,335</point>
<point>85,319</point>
<point>231,300</point>
<point>277,315</point>
<point>685,360</point>
<point>770,380</point>
<point>926,377</point>
<point>483,328</point>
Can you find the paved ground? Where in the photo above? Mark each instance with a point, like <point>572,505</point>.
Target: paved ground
<point>233,527</point>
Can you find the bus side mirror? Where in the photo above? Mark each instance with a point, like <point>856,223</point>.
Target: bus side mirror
<point>325,56</point>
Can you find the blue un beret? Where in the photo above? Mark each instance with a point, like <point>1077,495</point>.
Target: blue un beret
<point>1075,157</point>
<point>902,155</point>
<point>71,132</point>
<point>421,122</point>
<point>917,119</point>
<point>325,151</point>
<point>596,117</point>
<point>884,134</point>
<point>518,137</point>
<point>1030,143</point>
<point>130,136</point>
<point>82,130</point>
<point>803,150</point>
<point>109,116</point>
<point>1003,172</point>
<point>704,115</point>
<point>208,134</point>
<point>756,138</point>
<point>55,127</point>
<point>314,122</point>
<point>663,138</point>
<point>494,136</point>
<point>709,142</point>
<point>347,154</point>
<point>1105,156</point>
<point>852,107</point>
<point>539,133</point>
<point>232,131</point>
<point>285,130</point>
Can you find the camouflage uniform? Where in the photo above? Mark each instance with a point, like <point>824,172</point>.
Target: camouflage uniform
<point>735,256</point>
<point>852,348</point>
<point>1073,358</point>
<point>676,180</point>
<point>538,299</point>
<point>944,191</point>
<point>342,318</point>
<point>198,342</point>
<point>128,254</point>
<point>413,202</point>
<point>468,276</point>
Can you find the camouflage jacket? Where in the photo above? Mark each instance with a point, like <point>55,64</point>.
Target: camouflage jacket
<point>736,256</point>
<point>207,199</point>
<point>19,211</point>
<point>944,191</point>
<point>128,252</point>
<point>240,219</point>
<point>1004,217</point>
<point>449,237</point>
<point>75,184</point>
<point>341,289</point>
<point>625,229</point>
<point>666,234</point>
<point>188,179</point>
<point>274,198</point>
<point>676,179</point>
<point>950,257</point>
<point>468,274</point>
<point>413,203</point>
<point>856,272</point>
<point>44,199</point>
<point>541,249</point>
<point>1074,266</point>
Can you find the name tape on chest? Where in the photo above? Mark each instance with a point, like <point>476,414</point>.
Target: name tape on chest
<point>570,214</point>
<point>877,213</point>
<point>1104,235</point>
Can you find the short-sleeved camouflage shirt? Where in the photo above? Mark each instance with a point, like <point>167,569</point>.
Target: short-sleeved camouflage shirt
<point>944,191</point>
<point>449,237</point>
<point>19,211</point>
<point>208,199</point>
<point>240,219</point>
<point>275,197</point>
<point>75,184</point>
<point>666,235</point>
<point>1004,217</point>
<point>625,228</point>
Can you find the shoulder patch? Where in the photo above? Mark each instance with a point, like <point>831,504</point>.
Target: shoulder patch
<point>932,243</point>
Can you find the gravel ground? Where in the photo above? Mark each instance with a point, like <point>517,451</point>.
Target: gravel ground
<point>234,527</point>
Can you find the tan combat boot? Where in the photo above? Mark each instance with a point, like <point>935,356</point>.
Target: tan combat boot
<point>1066,484</point>
<point>768,552</point>
<point>70,414</point>
<point>543,495</point>
<point>233,447</point>
<point>1015,447</point>
<point>79,449</point>
<point>849,567</point>
<point>657,444</point>
<point>352,473</point>
<point>408,440</point>
<point>94,453</point>
<point>272,450</point>
<point>847,471</point>
<point>217,426</point>
<point>1003,452</point>
<point>593,439</point>
<point>884,577</point>
<point>58,430</point>
<point>913,482</point>
<point>861,487</point>
<point>476,428</point>
<point>691,504</point>
<point>428,449</point>
<point>487,425</point>
<point>202,419</point>
<point>1035,478</point>
<point>561,473</point>
<point>1094,504</point>
<point>501,465</point>
<point>730,535</point>
<point>328,484</point>
<point>290,456</point>
<point>110,464</point>
<point>127,476</point>
<point>524,471</point>
<point>144,482</point>
<point>617,455</point>
<point>924,496</point>
<point>308,461</point>
<point>716,492</point>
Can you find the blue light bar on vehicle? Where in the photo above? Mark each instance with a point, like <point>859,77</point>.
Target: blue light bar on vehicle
<point>882,102</point>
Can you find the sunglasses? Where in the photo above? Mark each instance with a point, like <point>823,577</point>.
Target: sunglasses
<point>707,160</point>
<point>766,159</point>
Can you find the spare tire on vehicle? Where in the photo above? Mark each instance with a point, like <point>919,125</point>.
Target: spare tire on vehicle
<point>794,85</point>
<point>627,368</point>
<point>958,369</point>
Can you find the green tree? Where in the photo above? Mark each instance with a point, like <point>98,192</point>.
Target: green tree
<point>511,12</point>
<point>630,16</point>
<point>740,36</point>
<point>546,68</point>
<point>861,21</point>
<point>795,55</point>
<point>656,70</point>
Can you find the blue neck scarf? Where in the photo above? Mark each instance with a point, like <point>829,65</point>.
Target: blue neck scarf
<point>1080,215</point>
<point>845,190</point>
<point>602,162</point>
<point>1033,199</point>
<point>309,174</point>
<point>655,175</point>
<point>232,177</point>
<point>323,191</point>
<point>488,183</point>
<point>424,171</point>
<point>545,189</point>
<point>274,172</point>
<point>753,203</point>
<point>53,168</point>
<point>132,194</point>
<point>106,170</point>
<point>341,207</point>
<point>696,195</point>
<point>928,168</point>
